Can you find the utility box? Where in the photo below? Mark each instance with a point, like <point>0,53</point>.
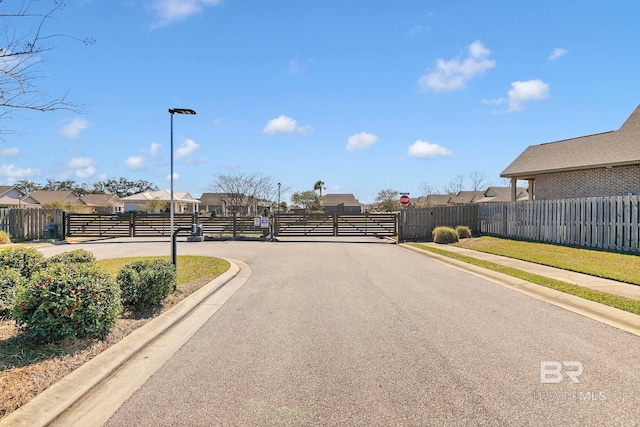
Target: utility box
<point>51,231</point>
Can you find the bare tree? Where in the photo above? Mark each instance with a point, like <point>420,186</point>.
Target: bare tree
<point>426,189</point>
<point>23,43</point>
<point>387,200</point>
<point>455,186</point>
<point>478,181</point>
<point>240,191</point>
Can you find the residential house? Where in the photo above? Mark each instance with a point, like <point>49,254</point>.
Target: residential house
<point>342,203</point>
<point>11,197</point>
<point>221,204</point>
<point>183,201</point>
<point>103,203</point>
<point>44,198</point>
<point>603,164</point>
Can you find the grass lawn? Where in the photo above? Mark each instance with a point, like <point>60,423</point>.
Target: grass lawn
<point>26,369</point>
<point>610,265</point>
<point>622,303</point>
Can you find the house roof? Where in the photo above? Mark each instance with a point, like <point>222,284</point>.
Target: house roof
<point>43,197</point>
<point>438,199</point>
<point>341,199</point>
<point>502,194</point>
<point>614,148</point>
<point>101,199</point>
<point>6,188</point>
<point>146,196</point>
<point>466,196</point>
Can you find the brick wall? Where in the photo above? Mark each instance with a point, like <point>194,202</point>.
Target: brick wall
<point>600,182</point>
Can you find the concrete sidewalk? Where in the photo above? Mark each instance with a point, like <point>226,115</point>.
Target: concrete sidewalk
<point>580,279</point>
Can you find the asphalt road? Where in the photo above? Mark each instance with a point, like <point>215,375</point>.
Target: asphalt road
<point>336,333</point>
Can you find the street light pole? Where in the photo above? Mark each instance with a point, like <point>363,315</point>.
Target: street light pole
<point>173,111</point>
<point>279,185</point>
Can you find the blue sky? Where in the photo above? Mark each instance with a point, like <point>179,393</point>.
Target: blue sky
<point>363,95</point>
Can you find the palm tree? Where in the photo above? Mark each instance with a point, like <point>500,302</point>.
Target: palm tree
<point>319,186</point>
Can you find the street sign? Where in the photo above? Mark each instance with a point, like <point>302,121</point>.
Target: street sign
<point>404,200</point>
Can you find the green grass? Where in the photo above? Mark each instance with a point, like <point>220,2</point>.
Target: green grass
<point>622,303</point>
<point>189,268</point>
<point>610,265</point>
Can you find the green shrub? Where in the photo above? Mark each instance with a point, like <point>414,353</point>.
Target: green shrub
<point>10,280</point>
<point>445,235</point>
<point>64,301</point>
<point>146,283</point>
<point>27,260</point>
<point>463,232</point>
<point>4,238</point>
<point>77,255</point>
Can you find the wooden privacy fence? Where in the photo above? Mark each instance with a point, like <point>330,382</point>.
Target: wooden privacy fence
<point>418,224</point>
<point>32,224</point>
<point>611,223</point>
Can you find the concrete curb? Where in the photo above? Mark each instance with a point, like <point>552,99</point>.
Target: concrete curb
<point>617,318</point>
<point>60,396</point>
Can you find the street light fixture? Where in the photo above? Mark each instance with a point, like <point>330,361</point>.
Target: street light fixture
<point>173,111</point>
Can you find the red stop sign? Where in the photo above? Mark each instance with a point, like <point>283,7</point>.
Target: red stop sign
<point>404,200</point>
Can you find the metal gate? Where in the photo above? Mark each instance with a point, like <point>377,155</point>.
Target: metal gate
<point>300,225</point>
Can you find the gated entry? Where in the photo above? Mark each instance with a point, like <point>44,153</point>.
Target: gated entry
<point>297,225</point>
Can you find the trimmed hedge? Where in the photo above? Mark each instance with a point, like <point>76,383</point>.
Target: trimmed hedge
<point>63,301</point>
<point>76,255</point>
<point>27,260</point>
<point>146,283</point>
<point>10,280</point>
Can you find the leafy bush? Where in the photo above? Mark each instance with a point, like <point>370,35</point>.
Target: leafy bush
<point>10,279</point>
<point>146,283</point>
<point>4,238</point>
<point>27,260</point>
<point>63,301</point>
<point>77,255</point>
<point>463,232</point>
<point>445,235</point>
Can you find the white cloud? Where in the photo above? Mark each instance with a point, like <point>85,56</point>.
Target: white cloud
<point>360,141</point>
<point>498,101</point>
<point>169,11</point>
<point>135,162</point>
<point>187,147</point>
<point>83,167</point>
<point>522,92</point>
<point>13,171</point>
<point>10,152</point>
<point>282,124</point>
<point>176,176</point>
<point>71,128</point>
<point>80,162</point>
<point>427,150</point>
<point>455,73</point>
<point>153,150</point>
<point>557,54</point>
<point>85,173</point>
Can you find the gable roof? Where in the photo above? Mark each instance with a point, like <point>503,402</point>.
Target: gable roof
<point>101,199</point>
<point>502,194</point>
<point>341,199</point>
<point>614,148</point>
<point>43,197</point>
<point>466,196</point>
